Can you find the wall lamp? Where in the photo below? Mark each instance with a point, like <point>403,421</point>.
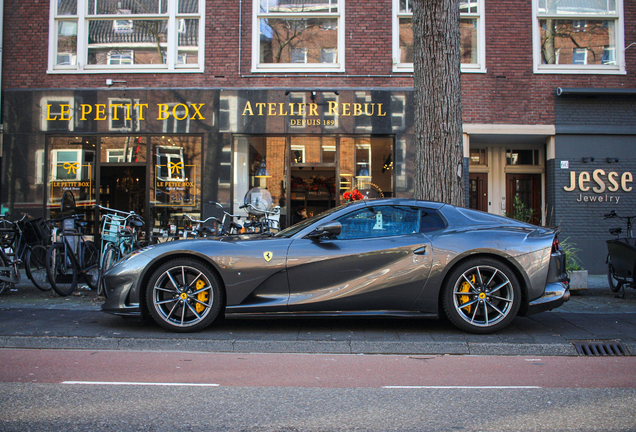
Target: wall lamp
<point>588,159</point>
<point>612,160</point>
<point>110,82</point>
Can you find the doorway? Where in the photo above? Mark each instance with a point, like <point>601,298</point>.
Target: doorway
<point>123,188</point>
<point>478,191</point>
<point>527,187</point>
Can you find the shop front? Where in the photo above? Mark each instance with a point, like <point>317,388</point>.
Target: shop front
<point>164,154</point>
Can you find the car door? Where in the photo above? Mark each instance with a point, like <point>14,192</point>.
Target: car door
<point>380,261</point>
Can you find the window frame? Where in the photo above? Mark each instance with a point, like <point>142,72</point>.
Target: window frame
<point>607,69</point>
<point>258,67</point>
<point>479,67</point>
<point>82,18</point>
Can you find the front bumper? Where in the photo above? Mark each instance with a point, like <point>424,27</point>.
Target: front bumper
<point>555,295</point>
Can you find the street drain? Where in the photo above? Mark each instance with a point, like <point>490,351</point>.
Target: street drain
<point>601,348</point>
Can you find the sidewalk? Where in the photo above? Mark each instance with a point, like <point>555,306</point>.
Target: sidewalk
<point>30,318</point>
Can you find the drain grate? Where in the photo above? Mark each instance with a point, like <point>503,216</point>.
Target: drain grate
<point>601,348</point>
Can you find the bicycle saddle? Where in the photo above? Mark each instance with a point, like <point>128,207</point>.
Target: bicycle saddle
<point>615,231</point>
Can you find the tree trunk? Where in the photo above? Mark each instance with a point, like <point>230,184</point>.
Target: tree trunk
<point>439,156</point>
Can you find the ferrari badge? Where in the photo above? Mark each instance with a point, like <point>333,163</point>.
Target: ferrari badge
<point>268,256</point>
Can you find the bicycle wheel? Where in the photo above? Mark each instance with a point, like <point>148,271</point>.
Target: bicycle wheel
<point>614,284</point>
<point>110,257</point>
<point>91,265</point>
<point>60,270</point>
<point>5,273</point>
<point>35,266</point>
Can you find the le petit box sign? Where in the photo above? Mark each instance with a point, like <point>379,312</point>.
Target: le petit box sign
<point>100,112</point>
<point>594,187</point>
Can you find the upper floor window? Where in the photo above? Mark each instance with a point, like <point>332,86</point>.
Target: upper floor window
<point>472,35</point>
<point>578,36</point>
<point>298,35</point>
<point>155,36</point>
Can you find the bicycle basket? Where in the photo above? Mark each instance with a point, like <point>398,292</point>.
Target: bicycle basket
<point>36,232</point>
<point>111,227</point>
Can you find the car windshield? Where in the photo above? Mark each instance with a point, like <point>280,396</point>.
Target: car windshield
<point>292,230</point>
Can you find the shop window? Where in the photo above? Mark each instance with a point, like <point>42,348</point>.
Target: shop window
<point>575,36</point>
<point>298,154</point>
<point>152,36</point>
<point>478,156</point>
<point>298,35</point>
<point>122,149</point>
<point>472,35</point>
<point>169,163</point>
<point>521,157</point>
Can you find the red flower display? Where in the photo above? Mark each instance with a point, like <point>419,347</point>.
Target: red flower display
<point>353,195</point>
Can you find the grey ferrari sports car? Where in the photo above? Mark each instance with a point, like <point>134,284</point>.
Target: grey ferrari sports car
<point>390,257</point>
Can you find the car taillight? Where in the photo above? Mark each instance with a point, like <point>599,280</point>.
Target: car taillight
<point>555,245</point>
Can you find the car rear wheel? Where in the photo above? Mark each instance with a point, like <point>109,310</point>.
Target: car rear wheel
<point>481,296</point>
<point>184,295</point>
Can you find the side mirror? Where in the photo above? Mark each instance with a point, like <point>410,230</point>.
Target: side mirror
<point>329,229</point>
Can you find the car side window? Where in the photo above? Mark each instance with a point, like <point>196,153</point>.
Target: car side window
<point>431,221</point>
<point>379,221</point>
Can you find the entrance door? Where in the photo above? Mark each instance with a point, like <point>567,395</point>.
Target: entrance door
<point>527,187</point>
<point>478,191</point>
<point>123,188</point>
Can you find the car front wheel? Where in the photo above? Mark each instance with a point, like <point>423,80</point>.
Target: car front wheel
<point>184,295</point>
<point>481,296</point>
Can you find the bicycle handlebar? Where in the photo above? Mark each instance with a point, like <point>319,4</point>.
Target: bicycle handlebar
<point>613,214</point>
<point>268,212</point>
<point>202,222</point>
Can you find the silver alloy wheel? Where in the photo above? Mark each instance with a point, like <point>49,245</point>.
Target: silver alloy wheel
<point>483,296</point>
<point>182,296</point>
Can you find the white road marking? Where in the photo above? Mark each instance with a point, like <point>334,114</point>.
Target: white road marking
<point>140,383</point>
<point>461,387</point>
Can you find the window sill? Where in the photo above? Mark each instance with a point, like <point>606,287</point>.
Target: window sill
<point>405,69</point>
<point>122,71</point>
<point>573,71</point>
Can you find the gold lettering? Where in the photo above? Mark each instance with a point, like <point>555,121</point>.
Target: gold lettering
<point>584,177</point>
<point>380,113</point>
<point>271,109</point>
<point>313,109</point>
<point>100,111</point>
<point>141,110</point>
<point>612,179</point>
<point>86,109</point>
<point>174,111</point>
<point>291,108</point>
<point>197,112</point>
<point>163,111</point>
<point>48,113</point>
<point>357,109</point>
<point>115,111</point>
<point>572,182</point>
<point>260,107</point>
<point>626,178</point>
<point>333,108</point>
<point>128,107</point>
<point>248,108</point>
<point>65,112</point>
<point>366,108</point>
<point>345,109</point>
<point>281,110</point>
<point>301,109</point>
<point>599,181</point>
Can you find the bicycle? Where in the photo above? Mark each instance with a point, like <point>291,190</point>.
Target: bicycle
<point>227,225</point>
<point>72,257</point>
<point>120,231</point>
<point>23,242</point>
<point>621,255</point>
<point>262,221</point>
<point>198,229</point>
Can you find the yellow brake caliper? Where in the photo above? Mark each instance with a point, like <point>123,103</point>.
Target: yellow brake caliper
<point>203,296</point>
<point>465,287</point>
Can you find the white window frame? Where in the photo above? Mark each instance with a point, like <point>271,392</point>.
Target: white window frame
<point>44,111</point>
<point>298,98</point>
<point>170,124</point>
<point>398,116</point>
<point>609,69</point>
<point>82,19</point>
<point>298,67</point>
<point>119,55</point>
<point>78,159</point>
<point>479,67</point>
<point>130,125</point>
<point>39,167</point>
<point>170,157</point>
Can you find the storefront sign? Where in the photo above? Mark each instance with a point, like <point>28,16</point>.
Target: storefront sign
<point>81,189</point>
<point>100,112</point>
<point>594,187</point>
<point>311,110</point>
<point>174,185</point>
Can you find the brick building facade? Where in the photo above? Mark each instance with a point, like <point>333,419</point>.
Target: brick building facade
<point>84,110</point>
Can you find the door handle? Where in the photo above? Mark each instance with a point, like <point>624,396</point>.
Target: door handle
<point>420,251</point>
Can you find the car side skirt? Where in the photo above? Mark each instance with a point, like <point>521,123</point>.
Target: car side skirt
<point>314,314</point>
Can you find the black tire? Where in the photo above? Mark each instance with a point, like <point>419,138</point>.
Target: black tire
<point>61,272</point>
<point>110,257</point>
<point>3,284</point>
<point>192,305</point>
<point>91,265</point>
<point>35,267</point>
<point>481,295</point>
<point>614,284</point>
